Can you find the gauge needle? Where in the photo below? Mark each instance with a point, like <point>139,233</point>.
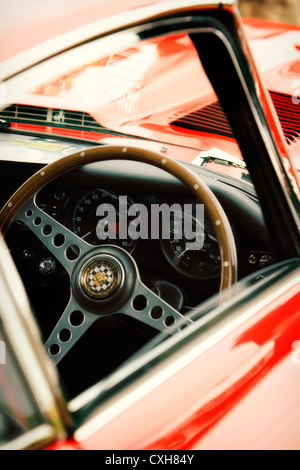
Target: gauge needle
<point>181,254</point>
<point>114,227</point>
<point>87,234</point>
<point>212,238</point>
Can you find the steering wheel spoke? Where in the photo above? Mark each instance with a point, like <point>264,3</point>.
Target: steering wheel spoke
<point>150,309</point>
<point>71,326</point>
<point>63,244</point>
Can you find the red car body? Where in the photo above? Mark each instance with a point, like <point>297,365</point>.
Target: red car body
<point>239,387</point>
<point>243,403</point>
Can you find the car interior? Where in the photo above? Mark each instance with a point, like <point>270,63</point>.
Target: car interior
<point>184,284</point>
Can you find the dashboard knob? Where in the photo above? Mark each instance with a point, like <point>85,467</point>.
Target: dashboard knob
<point>47,266</point>
<point>252,259</point>
<point>265,260</point>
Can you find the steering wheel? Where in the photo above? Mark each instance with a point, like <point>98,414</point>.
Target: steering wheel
<point>105,280</point>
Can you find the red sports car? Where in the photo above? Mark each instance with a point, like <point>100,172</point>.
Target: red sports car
<point>150,250</point>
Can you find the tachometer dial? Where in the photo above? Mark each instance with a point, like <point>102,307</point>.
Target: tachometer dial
<point>203,263</point>
<point>84,219</point>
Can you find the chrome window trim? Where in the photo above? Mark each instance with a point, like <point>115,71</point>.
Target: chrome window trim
<point>35,439</point>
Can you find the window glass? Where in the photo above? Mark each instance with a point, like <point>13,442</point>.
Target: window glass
<point>18,412</point>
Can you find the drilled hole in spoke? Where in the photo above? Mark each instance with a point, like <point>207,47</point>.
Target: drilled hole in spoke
<point>54,349</point>
<point>76,318</point>
<point>72,252</point>
<point>156,312</point>
<point>64,335</point>
<point>47,230</point>
<point>59,240</point>
<point>139,302</point>
<point>37,221</point>
<point>28,213</point>
<point>169,320</point>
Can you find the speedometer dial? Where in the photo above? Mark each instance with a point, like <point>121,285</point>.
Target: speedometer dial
<point>84,219</point>
<point>203,263</point>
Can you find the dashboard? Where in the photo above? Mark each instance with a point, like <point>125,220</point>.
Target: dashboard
<point>183,278</point>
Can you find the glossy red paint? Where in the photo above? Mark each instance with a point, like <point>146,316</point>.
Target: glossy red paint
<point>255,381</point>
<point>93,136</point>
<point>260,419</point>
<point>36,21</point>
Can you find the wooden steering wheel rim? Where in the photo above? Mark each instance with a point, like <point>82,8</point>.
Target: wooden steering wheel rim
<point>102,153</point>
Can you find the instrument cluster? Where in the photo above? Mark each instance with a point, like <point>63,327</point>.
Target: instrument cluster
<point>143,222</point>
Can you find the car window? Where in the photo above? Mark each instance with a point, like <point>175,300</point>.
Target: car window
<point>18,413</point>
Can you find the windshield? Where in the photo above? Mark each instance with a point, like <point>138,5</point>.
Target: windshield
<point>138,90</point>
